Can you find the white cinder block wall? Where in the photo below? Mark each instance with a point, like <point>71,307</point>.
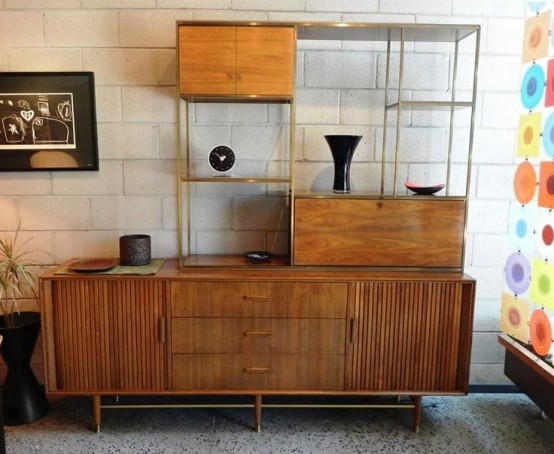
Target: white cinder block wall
<point>130,46</point>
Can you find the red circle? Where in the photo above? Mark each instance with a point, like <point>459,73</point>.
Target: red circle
<point>548,234</point>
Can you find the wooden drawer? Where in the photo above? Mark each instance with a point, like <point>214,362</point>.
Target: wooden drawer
<point>258,372</point>
<point>258,299</point>
<point>258,335</point>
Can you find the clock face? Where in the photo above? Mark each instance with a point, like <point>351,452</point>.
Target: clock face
<point>222,158</point>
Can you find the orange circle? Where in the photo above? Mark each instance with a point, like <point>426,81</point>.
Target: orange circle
<point>528,135</point>
<point>541,332</point>
<point>525,182</point>
<point>535,37</point>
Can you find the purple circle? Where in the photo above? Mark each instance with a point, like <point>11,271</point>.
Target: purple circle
<point>518,273</point>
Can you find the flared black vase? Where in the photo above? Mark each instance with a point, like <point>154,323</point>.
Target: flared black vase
<point>342,149</point>
<point>24,399</point>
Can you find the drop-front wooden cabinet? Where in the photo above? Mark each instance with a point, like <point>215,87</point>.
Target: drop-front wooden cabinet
<point>236,60</point>
<point>257,333</point>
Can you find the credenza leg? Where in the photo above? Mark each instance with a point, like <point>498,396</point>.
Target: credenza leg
<point>417,412</point>
<point>258,409</point>
<point>96,412</point>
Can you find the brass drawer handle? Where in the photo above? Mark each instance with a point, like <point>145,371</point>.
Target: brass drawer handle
<point>255,299</point>
<point>257,370</point>
<point>257,333</point>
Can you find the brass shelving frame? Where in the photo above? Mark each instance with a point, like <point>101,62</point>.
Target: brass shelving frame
<point>401,33</point>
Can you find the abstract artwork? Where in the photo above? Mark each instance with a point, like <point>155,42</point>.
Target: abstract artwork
<point>47,121</point>
<point>527,309</point>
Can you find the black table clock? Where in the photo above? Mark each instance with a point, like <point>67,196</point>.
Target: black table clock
<point>222,158</point>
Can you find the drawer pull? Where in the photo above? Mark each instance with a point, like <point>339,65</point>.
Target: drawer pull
<point>257,370</point>
<point>255,299</point>
<point>257,333</point>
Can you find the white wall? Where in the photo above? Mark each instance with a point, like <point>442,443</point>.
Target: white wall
<point>130,46</point>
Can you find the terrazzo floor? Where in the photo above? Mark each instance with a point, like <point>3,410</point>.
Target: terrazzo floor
<point>478,423</point>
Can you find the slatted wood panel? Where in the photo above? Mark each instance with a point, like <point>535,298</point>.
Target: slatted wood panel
<point>408,336</point>
<point>107,335</point>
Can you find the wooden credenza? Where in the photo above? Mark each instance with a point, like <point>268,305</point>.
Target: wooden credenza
<point>257,332</point>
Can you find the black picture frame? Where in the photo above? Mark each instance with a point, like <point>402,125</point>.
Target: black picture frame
<point>48,121</point>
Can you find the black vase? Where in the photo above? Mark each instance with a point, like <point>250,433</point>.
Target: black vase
<point>24,399</point>
<point>342,149</point>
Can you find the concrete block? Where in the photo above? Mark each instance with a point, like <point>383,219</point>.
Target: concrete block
<point>24,183</point>
<point>500,110</point>
<point>340,70</point>
<point>489,8</point>
<point>416,7</point>
<point>107,181</point>
<point>108,104</point>
<point>11,30</point>
<point>149,177</point>
<point>142,28</point>
<point>421,71</point>
<point>488,216</point>
<point>74,244</point>
<point>122,66</point>
<point>317,106</point>
<point>362,107</point>
<point>231,114</point>
<point>149,104</point>
<point>44,59</point>
<point>128,140</point>
<point>264,213</point>
<point>495,182</point>
<point>496,73</point>
<point>124,213</point>
<point>352,6</point>
<point>79,28</point>
<point>11,210</point>
<point>55,213</point>
<point>490,250</point>
<point>504,35</point>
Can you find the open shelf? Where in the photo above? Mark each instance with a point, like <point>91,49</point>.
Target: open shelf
<point>231,261</point>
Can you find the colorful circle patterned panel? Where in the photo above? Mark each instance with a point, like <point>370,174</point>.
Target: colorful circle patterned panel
<point>528,142</point>
<point>549,85</point>
<point>540,330</point>
<point>532,86</point>
<point>544,236</point>
<point>517,273</point>
<point>521,225</point>
<point>514,317</point>
<point>546,184</point>
<point>542,284</point>
<point>535,37</point>
<point>525,182</point>
<point>548,135</point>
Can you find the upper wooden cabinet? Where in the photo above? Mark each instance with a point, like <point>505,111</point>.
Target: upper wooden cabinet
<point>236,61</point>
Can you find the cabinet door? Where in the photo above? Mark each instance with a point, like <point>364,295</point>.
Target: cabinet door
<point>207,60</point>
<point>265,61</point>
<point>107,335</point>
<point>410,336</point>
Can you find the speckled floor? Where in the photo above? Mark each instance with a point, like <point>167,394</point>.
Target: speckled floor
<point>478,423</point>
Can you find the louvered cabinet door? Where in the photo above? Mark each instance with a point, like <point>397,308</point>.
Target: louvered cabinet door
<point>410,337</point>
<point>108,335</point>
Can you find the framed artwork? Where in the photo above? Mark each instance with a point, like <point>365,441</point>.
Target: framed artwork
<point>47,121</point>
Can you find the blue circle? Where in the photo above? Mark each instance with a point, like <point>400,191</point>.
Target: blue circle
<point>521,228</point>
<point>535,6</point>
<point>548,135</point>
<point>532,86</point>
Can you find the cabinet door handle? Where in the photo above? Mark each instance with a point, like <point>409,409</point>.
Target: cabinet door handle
<point>257,333</point>
<point>257,370</point>
<point>255,299</point>
<point>162,330</point>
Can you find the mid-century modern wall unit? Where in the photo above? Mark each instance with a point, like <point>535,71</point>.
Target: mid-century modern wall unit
<point>369,299</point>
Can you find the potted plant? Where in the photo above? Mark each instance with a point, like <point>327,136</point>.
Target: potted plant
<point>24,399</point>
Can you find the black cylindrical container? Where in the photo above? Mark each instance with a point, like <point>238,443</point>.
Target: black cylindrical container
<point>134,250</point>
